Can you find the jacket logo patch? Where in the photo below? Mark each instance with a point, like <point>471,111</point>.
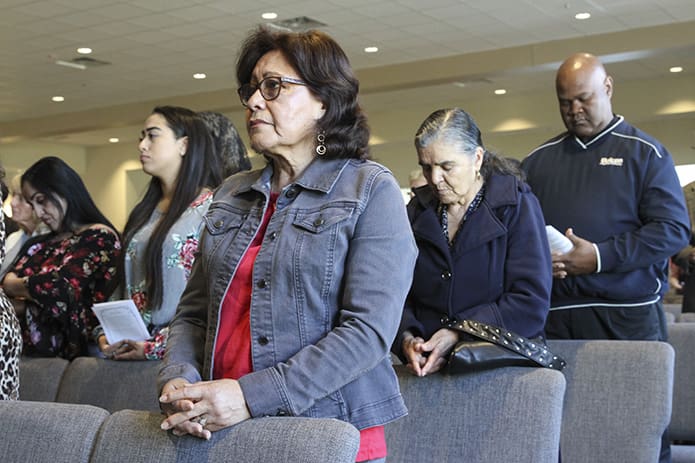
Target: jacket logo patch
<point>611,162</point>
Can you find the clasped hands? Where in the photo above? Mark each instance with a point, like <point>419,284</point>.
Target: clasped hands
<point>426,357</point>
<point>580,260</point>
<point>201,408</point>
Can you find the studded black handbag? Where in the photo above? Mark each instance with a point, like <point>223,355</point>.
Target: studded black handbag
<point>483,347</point>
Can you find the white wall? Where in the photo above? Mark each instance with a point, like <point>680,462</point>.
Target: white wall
<point>515,124</point>
<point>512,125</point>
<point>113,180</point>
<point>16,157</point>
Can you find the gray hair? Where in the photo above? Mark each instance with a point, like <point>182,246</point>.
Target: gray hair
<point>456,127</point>
<point>452,126</point>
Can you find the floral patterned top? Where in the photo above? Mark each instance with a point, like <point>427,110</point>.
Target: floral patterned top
<point>178,253</point>
<point>65,277</point>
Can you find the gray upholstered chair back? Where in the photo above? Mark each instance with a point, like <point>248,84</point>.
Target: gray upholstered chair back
<point>674,309</point>
<point>111,384</point>
<point>135,437</point>
<point>43,432</point>
<point>618,400</point>
<point>682,337</point>
<point>39,378</point>
<point>509,414</point>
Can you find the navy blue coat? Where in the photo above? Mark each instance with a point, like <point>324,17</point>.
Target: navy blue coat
<point>499,270</point>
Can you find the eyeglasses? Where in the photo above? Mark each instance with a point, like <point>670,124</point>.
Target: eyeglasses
<point>270,88</point>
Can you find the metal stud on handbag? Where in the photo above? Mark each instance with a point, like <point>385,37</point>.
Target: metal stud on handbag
<point>487,346</point>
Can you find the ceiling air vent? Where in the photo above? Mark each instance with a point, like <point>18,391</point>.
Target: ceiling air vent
<point>298,24</point>
<point>82,62</point>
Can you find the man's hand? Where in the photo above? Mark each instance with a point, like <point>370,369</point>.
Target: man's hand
<point>581,260</point>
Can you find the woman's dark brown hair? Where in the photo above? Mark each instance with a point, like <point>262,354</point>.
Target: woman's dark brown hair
<point>325,68</point>
<point>200,168</point>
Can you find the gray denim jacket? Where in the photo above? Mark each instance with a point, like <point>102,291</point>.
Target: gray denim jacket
<point>329,284</point>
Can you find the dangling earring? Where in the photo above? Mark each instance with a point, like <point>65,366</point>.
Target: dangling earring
<point>477,175</point>
<point>320,147</point>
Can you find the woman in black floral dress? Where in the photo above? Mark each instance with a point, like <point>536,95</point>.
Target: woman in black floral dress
<point>59,276</point>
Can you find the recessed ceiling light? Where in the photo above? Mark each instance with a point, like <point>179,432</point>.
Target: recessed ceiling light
<point>58,98</point>
<point>371,49</point>
<point>459,84</point>
<point>374,140</point>
<point>269,15</point>
<point>84,50</point>
<point>584,15</point>
<point>199,75</point>
<point>676,69</point>
<point>500,91</point>
<point>114,140</point>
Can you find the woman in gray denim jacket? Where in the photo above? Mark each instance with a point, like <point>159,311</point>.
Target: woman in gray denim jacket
<point>335,256</point>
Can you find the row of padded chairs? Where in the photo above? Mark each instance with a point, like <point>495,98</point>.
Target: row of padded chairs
<point>616,406</point>
<point>611,404</point>
<point>42,432</point>
<point>674,313</point>
<point>471,402</point>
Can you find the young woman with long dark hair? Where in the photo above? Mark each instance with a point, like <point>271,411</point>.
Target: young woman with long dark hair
<point>161,234</point>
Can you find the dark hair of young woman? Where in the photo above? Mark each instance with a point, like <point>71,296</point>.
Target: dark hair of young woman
<point>200,169</point>
<point>52,177</point>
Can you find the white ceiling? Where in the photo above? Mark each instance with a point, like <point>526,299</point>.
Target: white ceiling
<point>155,46</point>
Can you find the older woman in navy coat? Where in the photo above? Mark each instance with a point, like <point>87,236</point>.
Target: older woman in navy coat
<point>483,249</point>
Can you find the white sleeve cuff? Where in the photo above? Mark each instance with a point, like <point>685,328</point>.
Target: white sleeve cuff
<point>598,258</point>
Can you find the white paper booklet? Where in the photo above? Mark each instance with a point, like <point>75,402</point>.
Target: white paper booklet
<point>558,242</point>
<point>121,320</point>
